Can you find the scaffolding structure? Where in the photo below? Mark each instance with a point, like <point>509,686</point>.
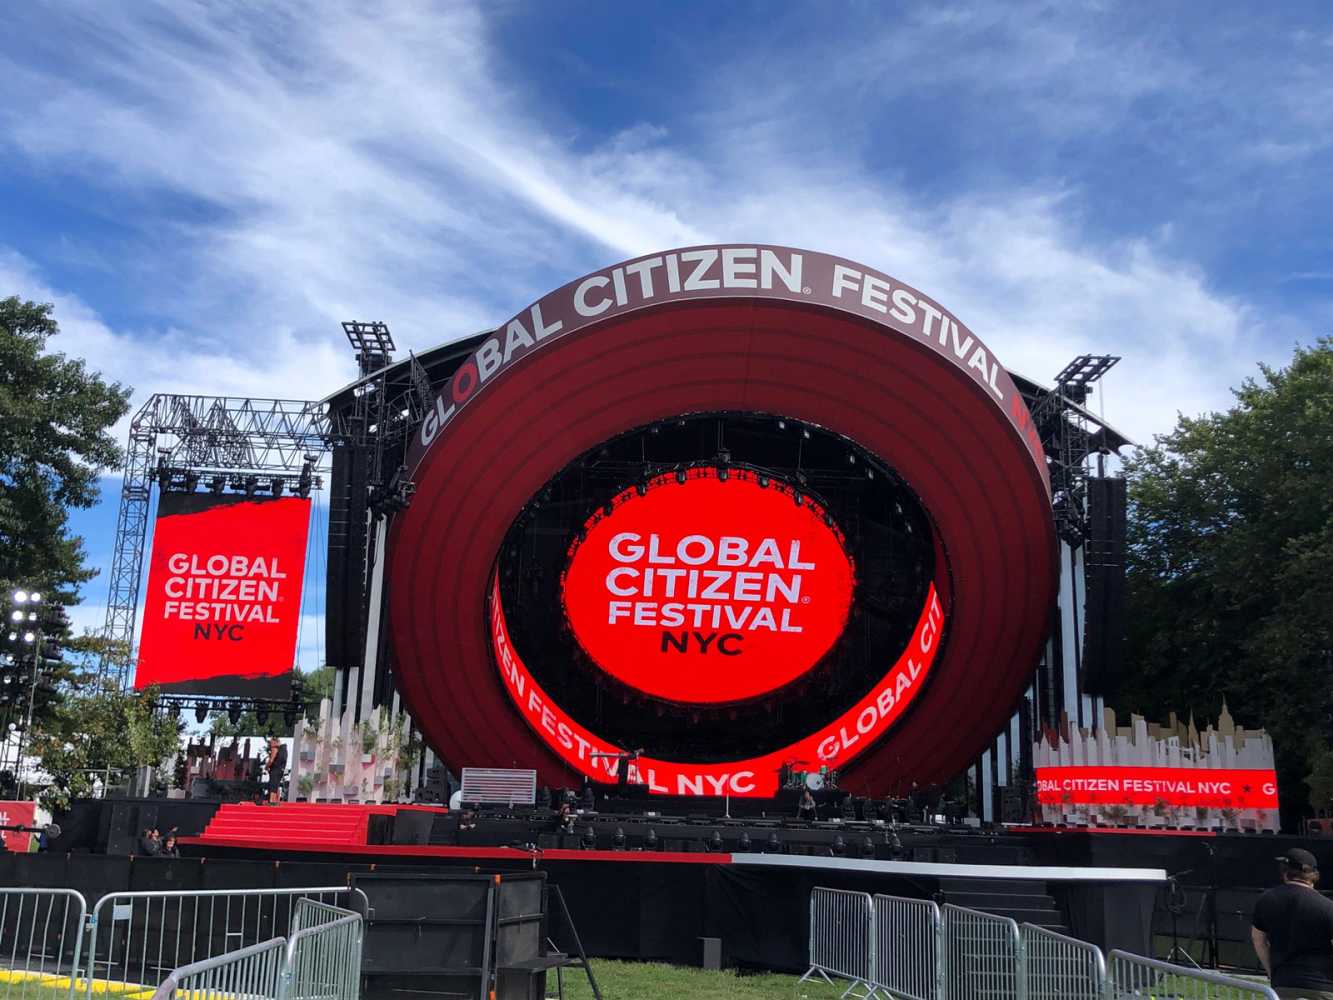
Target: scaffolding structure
<point>179,440</point>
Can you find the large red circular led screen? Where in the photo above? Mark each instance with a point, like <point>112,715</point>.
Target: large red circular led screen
<point>525,629</point>
<point>712,588</point>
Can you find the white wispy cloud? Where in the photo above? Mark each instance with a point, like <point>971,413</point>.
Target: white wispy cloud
<point>292,167</point>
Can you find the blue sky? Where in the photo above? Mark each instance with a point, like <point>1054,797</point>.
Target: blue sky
<point>204,191</point>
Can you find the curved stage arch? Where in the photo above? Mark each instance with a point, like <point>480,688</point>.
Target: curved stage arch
<point>749,330</point>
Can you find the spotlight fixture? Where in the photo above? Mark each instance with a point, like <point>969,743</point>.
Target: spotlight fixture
<point>641,488</point>
<point>262,715</point>
<point>251,484</point>
<point>201,712</point>
<point>35,597</point>
<point>17,616</point>
<point>796,499</point>
<point>763,482</point>
<point>29,636</point>
<point>191,481</point>
<point>289,717</point>
<point>618,841</point>
<point>216,485</point>
<point>782,425</point>
<point>851,458</point>
<point>722,474</point>
<point>867,847</point>
<point>20,597</point>
<point>608,509</point>
<point>805,433</point>
<point>870,473</point>
<point>680,476</point>
<point>275,486</point>
<point>234,714</point>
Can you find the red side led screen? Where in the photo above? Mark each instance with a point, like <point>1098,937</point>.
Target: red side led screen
<point>1206,788</point>
<point>708,590</point>
<point>224,595</point>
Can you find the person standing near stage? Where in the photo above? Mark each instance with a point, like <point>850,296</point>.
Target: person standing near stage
<point>1293,931</point>
<point>277,767</point>
<point>806,808</point>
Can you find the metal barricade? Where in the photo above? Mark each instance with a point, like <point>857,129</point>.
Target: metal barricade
<point>249,973</point>
<point>1135,976</point>
<point>907,951</point>
<point>323,960</point>
<point>41,941</point>
<point>842,938</point>
<point>1061,968</point>
<point>983,956</point>
<point>135,939</point>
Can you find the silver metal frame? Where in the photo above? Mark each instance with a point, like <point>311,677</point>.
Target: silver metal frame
<point>842,939</point>
<point>908,959</point>
<point>250,973</point>
<point>1136,976</point>
<point>37,927</point>
<point>1058,967</point>
<point>138,938</point>
<point>983,955</point>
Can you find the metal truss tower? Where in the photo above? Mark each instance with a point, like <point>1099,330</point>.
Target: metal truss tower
<point>176,436</point>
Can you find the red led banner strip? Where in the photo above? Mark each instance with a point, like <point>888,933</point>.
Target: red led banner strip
<point>1208,788</point>
<point>835,744</point>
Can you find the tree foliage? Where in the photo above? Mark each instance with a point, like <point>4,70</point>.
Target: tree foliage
<point>98,731</point>
<point>55,421</point>
<point>1230,544</point>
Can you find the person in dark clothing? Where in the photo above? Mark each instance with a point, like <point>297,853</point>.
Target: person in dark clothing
<point>150,843</point>
<point>1293,931</point>
<point>277,767</point>
<point>169,848</point>
<point>806,808</point>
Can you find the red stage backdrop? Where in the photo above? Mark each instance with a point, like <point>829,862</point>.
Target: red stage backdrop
<point>708,590</point>
<point>224,595</point>
<point>18,814</point>
<point>1208,788</point>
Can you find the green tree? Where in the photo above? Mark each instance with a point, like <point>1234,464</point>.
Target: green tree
<point>1230,540</point>
<point>55,421</point>
<point>102,730</point>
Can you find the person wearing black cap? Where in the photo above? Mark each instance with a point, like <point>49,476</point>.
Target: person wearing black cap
<point>1293,931</point>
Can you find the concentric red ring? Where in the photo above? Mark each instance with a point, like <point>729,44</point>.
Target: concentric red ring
<point>895,397</point>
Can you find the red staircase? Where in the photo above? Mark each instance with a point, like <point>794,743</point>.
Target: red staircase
<point>288,824</point>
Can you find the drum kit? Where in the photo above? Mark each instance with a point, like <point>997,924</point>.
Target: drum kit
<point>792,775</point>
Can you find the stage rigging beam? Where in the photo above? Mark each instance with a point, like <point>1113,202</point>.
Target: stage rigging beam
<point>199,433</point>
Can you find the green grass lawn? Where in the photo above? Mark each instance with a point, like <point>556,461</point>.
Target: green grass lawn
<point>654,981</point>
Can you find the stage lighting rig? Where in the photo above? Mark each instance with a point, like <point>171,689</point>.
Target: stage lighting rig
<point>201,712</point>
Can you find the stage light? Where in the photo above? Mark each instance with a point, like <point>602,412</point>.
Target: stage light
<point>851,459</point>
<point>641,489</point>
<point>17,616</point>
<point>13,636</point>
<point>680,476</point>
<point>722,474</point>
<point>715,843</point>
<point>608,509</point>
<point>618,841</point>
<point>774,845</point>
<point>29,636</point>
<point>262,715</point>
<point>589,839</point>
<point>650,840</point>
<point>289,717</point>
<point>763,482</point>
<point>191,481</point>
<point>234,714</point>
<point>797,498</point>
<point>867,847</point>
<point>251,484</point>
<point>782,425</point>
<point>743,845</point>
<point>201,712</point>
<point>216,485</point>
<point>805,433</point>
<point>870,473</point>
<point>828,519</point>
<point>275,486</point>
<point>35,597</point>
<point>164,478</point>
<point>20,597</point>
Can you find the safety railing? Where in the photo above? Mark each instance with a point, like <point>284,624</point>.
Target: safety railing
<point>1138,977</point>
<point>135,939</point>
<point>41,941</point>
<point>250,973</point>
<point>983,955</point>
<point>1061,968</point>
<point>842,939</point>
<point>323,960</point>
<point>907,948</point>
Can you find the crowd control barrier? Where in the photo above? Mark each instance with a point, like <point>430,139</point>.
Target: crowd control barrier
<point>1137,977</point>
<point>135,939</point>
<point>41,941</point>
<point>917,951</point>
<point>842,939</point>
<point>907,948</point>
<point>1061,968</point>
<point>323,959</point>
<point>249,973</point>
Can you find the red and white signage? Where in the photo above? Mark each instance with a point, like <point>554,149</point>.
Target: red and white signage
<point>1207,788</point>
<point>834,744</point>
<point>18,814</point>
<point>224,595</point>
<point>711,590</point>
